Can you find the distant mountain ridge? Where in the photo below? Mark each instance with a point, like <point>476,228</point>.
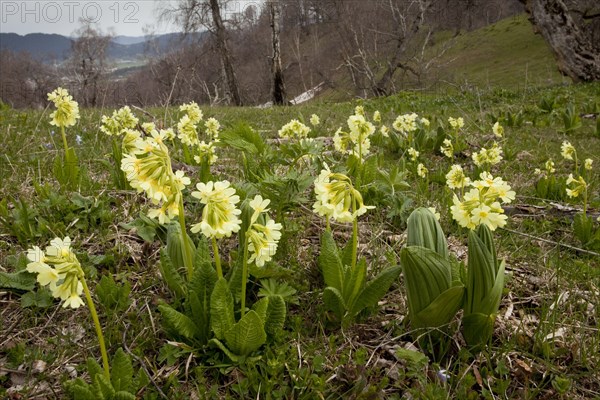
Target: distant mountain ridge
<point>52,47</point>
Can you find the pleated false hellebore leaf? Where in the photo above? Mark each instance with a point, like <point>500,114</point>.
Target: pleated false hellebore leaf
<point>434,291</point>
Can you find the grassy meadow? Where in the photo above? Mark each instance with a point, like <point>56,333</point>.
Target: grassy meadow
<point>545,342</point>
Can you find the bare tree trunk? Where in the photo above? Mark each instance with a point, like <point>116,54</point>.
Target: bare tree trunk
<point>278,83</point>
<point>571,39</point>
<point>383,86</point>
<point>221,35</point>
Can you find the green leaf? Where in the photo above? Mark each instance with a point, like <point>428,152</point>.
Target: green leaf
<point>485,234</point>
<point>427,275</point>
<point>376,289</point>
<point>170,274</point>
<point>93,368</point>
<point>80,390</point>
<point>202,253</point>
<point>441,310</point>
<point>180,323</point>
<point>247,335</point>
<point>478,328</point>
<point>122,395</point>
<point>224,349</point>
<point>481,275</point>
<point>275,317</point>
<point>104,387</point>
<point>334,302</point>
<point>260,308</point>
<point>200,288</point>
<point>221,309</point>
<point>41,298</point>
<point>354,281</point>
<point>21,280</point>
<point>424,230</point>
<point>330,263</point>
<point>175,245</point>
<point>112,296</point>
<point>582,226</point>
<point>270,287</point>
<point>121,373</point>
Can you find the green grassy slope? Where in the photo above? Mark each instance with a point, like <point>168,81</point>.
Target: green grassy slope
<point>506,54</point>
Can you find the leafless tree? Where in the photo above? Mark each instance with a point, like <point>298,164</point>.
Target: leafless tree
<point>195,15</point>
<point>276,69</point>
<point>89,61</point>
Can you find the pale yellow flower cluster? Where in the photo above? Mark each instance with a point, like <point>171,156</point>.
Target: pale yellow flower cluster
<point>422,171</point>
<point>148,169</point>
<point>206,151</point>
<point>264,237</point>
<point>447,148</point>
<point>294,130</point>
<point>377,117</point>
<point>315,120</point>
<point>119,122</point>
<point>577,186</point>
<point>212,128</point>
<point>587,164</point>
<point>548,169</point>
<point>498,130</point>
<point>482,204</point>
<point>357,141</point>
<point>414,154</point>
<point>219,215</point>
<point>67,109</point>
<point>491,156</point>
<point>406,123</point>
<point>456,179</point>
<point>58,268</point>
<point>456,123</point>
<point>568,151</point>
<point>186,127</point>
<point>336,197</point>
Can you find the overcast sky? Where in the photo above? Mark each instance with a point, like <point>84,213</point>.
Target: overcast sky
<point>123,17</point>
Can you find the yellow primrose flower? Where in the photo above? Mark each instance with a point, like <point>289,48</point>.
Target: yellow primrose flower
<point>413,154</point>
<point>212,127</point>
<point>67,110</point>
<point>377,117</point>
<point>148,127</point>
<point>207,152</point>
<point>550,167</point>
<point>498,130</point>
<point>578,186</point>
<point>58,268</point>
<point>193,112</point>
<point>447,148</point>
<point>294,129</point>
<point>315,120</point>
<point>219,216</point>
<point>425,122</point>
<point>359,110</point>
<point>456,123</point>
<point>406,123</point>
<point>567,150</point>
<point>385,131</point>
<point>456,179</point>
<point>422,171</point>
<point>537,171</point>
<point>587,164</point>
<point>187,131</point>
<point>263,241</point>
<point>259,205</point>
<point>120,120</point>
<point>491,156</point>
<point>336,197</point>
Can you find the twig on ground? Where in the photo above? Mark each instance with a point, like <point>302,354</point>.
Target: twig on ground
<point>568,246</point>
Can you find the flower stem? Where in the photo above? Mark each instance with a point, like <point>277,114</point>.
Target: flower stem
<point>187,255</point>
<point>92,308</point>
<point>354,234</point>
<point>244,276</point>
<point>64,138</point>
<point>217,258</point>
